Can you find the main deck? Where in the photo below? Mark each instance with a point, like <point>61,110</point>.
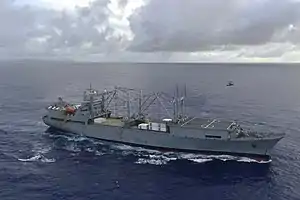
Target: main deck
<point>192,123</point>
<point>207,123</point>
<point>109,122</point>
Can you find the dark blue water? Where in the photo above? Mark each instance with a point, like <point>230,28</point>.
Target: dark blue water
<point>38,164</point>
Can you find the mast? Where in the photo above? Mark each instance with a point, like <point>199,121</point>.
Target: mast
<point>128,104</point>
<point>175,105</point>
<point>177,102</point>
<point>136,103</point>
<point>91,106</point>
<point>115,103</point>
<point>102,102</point>
<point>182,100</point>
<point>140,104</point>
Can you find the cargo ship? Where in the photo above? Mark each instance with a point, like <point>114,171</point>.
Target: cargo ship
<point>99,116</point>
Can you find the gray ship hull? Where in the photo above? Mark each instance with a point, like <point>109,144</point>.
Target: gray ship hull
<point>253,147</point>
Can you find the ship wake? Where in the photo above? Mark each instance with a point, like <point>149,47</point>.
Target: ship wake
<point>77,144</point>
<point>147,156</point>
<point>38,154</point>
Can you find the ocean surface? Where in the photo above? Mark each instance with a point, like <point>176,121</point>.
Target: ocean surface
<point>37,164</point>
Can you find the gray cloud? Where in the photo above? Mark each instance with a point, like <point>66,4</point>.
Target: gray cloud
<point>16,24</point>
<point>159,26</point>
<point>176,25</point>
<point>86,26</point>
<point>290,33</point>
<point>28,29</point>
<point>19,24</point>
<point>268,51</point>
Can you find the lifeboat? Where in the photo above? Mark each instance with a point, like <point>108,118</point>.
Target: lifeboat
<point>70,110</point>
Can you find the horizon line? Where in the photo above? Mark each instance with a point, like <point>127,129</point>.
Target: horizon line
<point>149,62</point>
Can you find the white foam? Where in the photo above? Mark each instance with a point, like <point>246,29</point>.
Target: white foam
<point>89,149</point>
<point>151,161</point>
<point>249,160</point>
<point>164,158</point>
<point>201,160</point>
<point>39,150</point>
<point>78,139</point>
<point>150,156</point>
<point>98,153</point>
<point>48,160</point>
<point>72,147</point>
<point>124,147</point>
<point>37,157</point>
<point>222,157</point>
<point>34,158</point>
<point>73,141</point>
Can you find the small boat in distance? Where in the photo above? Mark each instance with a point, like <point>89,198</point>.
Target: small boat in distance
<point>230,83</point>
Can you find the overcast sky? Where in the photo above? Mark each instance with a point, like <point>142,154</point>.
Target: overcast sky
<point>151,30</point>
